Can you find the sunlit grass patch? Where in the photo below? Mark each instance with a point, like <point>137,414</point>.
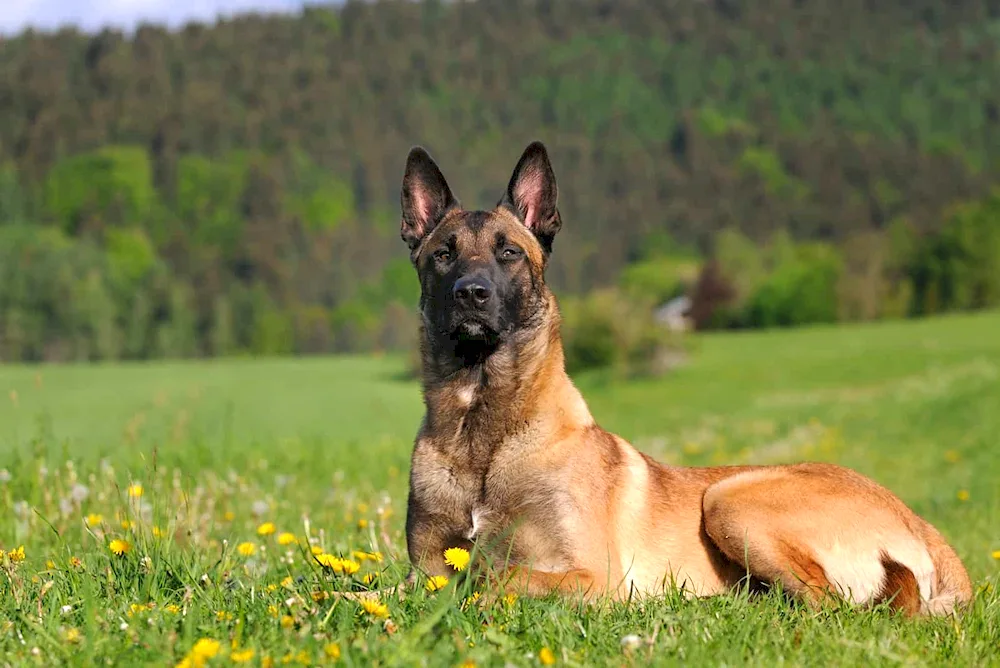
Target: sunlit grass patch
<point>269,530</point>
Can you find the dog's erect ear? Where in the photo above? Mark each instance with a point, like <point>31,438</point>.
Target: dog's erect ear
<point>532,194</point>
<point>425,197</point>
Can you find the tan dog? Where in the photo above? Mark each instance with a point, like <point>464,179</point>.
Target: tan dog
<point>508,449</point>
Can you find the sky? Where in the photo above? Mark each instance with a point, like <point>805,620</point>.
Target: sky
<point>91,15</point>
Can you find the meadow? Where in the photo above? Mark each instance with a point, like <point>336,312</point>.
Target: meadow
<point>213,512</point>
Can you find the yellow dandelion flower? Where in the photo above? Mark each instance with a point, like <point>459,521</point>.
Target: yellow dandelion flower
<point>376,557</point>
<point>224,616</point>
<point>510,599</point>
<point>286,538</point>
<point>75,562</point>
<point>963,495</point>
<point>17,555</point>
<point>242,656</point>
<point>316,549</point>
<point>271,587</point>
<point>287,622</point>
<point>120,547</point>
<point>303,658</point>
<point>362,507</point>
<point>996,554</point>
<point>468,663</point>
<point>72,636</point>
<point>49,564</point>
<point>287,581</point>
<point>93,519</point>
<point>469,600</point>
<point>457,558</point>
<point>329,561</point>
<point>266,529</point>
<point>206,648</point>
<point>546,656</point>
<point>360,555</point>
<point>319,596</point>
<point>135,490</point>
<point>436,583</point>
<point>246,549</point>
<point>136,608</point>
<point>157,532</point>
<point>362,523</point>
<point>375,608</point>
<point>173,608</point>
<point>184,663</point>
<point>332,651</point>
<point>350,566</point>
<point>369,578</point>
<point>229,516</point>
<point>266,662</point>
<point>272,610</point>
<point>126,525</point>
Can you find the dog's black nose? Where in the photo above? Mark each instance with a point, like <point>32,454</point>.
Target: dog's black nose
<point>473,290</point>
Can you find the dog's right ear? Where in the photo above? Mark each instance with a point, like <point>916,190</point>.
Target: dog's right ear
<point>425,197</point>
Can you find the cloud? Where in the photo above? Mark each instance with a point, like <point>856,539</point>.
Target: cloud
<point>92,15</point>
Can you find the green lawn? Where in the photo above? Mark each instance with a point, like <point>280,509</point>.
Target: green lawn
<point>320,448</point>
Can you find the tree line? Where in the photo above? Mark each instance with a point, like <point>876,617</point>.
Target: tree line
<point>233,188</point>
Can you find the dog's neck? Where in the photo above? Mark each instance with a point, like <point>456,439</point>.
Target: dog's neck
<point>478,406</point>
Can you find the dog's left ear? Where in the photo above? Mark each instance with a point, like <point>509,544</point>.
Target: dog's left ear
<point>425,197</point>
<point>532,194</point>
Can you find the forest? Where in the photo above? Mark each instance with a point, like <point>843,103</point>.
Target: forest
<point>233,188</point>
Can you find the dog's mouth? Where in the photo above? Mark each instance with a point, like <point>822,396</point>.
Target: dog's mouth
<point>473,330</point>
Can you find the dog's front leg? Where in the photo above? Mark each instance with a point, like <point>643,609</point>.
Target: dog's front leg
<point>524,580</point>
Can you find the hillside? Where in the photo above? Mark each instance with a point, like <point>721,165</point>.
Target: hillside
<point>234,187</point>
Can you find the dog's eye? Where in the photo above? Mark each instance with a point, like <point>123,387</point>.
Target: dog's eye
<point>510,253</point>
<point>442,255</point>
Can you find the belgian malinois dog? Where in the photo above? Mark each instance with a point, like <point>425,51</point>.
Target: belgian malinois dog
<point>508,447</point>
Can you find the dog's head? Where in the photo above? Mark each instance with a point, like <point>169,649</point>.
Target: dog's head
<point>481,272</point>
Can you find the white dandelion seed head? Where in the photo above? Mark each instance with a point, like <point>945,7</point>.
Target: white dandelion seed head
<point>4,476</point>
<point>79,493</point>
<point>260,508</point>
<point>631,641</point>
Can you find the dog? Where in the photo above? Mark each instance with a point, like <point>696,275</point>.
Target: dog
<point>508,448</point>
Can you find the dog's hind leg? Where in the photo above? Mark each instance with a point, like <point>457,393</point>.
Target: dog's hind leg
<point>817,536</point>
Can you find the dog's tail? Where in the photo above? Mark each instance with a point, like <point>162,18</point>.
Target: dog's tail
<point>952,587</point>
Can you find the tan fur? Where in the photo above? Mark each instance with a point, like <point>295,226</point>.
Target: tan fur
<point>509,458</point>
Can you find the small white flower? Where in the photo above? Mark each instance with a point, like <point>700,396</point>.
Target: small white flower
<point>66,609</point>
<point>4,476</point>
<point>631,641</point>
<point>21,509</point>
<point>124,626</point>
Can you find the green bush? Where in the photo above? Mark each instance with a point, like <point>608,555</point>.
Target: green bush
<point>801,290</point>
<point>958,267</point>
<point>608,330</point>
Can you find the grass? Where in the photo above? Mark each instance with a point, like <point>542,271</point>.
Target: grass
<point>319,449</point>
